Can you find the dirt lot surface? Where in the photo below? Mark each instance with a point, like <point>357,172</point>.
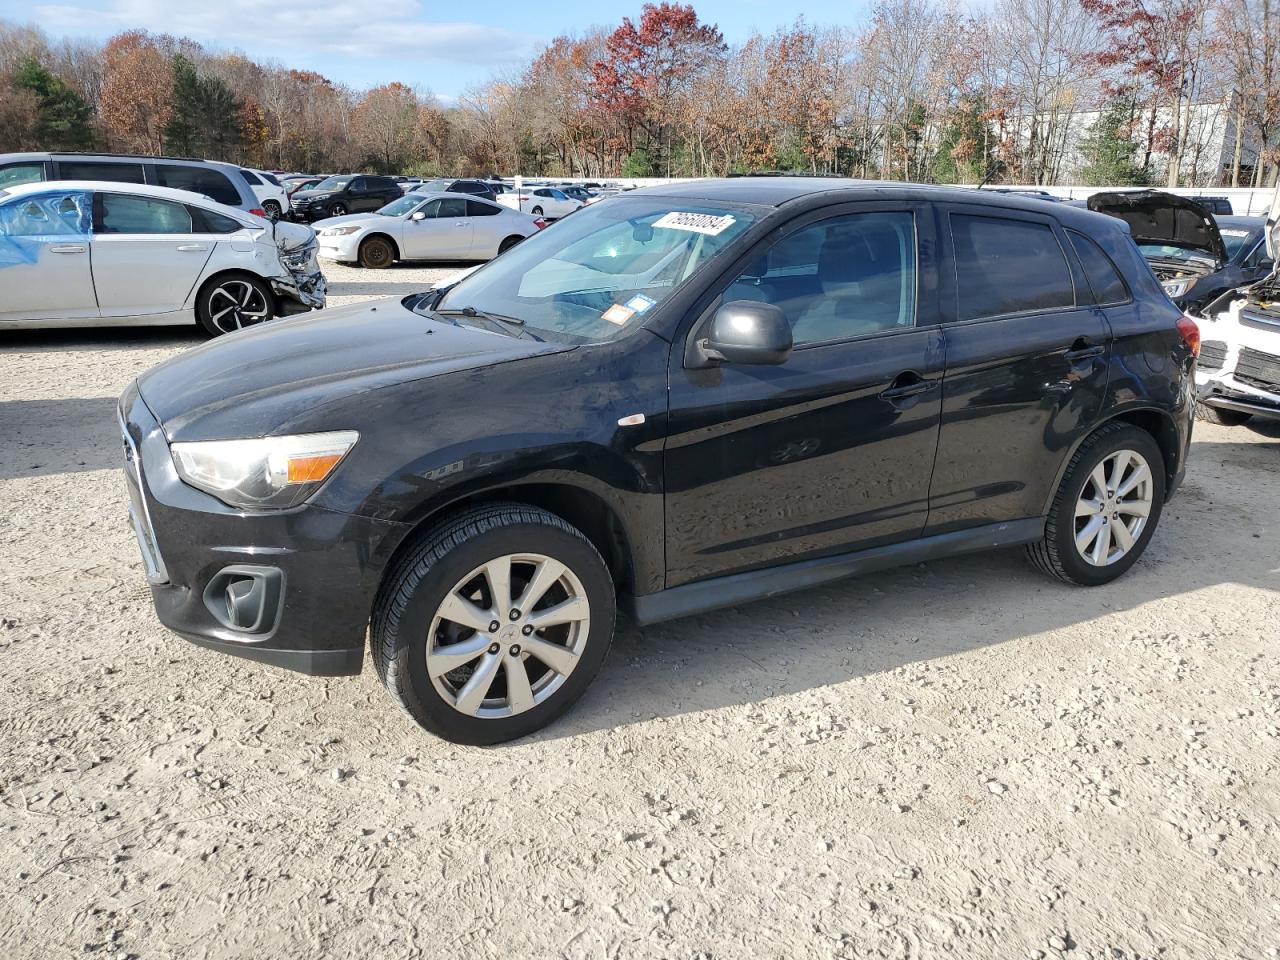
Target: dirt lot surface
<point>956,759</point>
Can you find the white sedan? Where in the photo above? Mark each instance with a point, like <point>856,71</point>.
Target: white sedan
<point>89,253</point>
<point>550,202</point>
<point>425,226</point>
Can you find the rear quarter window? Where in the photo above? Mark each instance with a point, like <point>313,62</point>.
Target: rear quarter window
<point>1006,266</point>
<point>1104,279</point>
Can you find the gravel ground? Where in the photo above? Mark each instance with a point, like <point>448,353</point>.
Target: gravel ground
<point>959,758</point>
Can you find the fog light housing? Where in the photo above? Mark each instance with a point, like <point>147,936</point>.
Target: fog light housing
<point>246,598</point>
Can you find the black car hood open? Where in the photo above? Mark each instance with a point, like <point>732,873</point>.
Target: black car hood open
<point>1155,217</point>
<point>262,380</point>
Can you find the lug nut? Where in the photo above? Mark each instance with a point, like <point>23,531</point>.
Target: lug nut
<point>515,649</point>
<point>494,648</point>
<point>527,630</point>
<point>515,614</point>
<point>493,626</point>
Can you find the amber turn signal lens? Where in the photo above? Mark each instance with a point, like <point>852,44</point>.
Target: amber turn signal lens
<point>312,469</point>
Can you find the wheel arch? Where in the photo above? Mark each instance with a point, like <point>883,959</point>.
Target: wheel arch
<point>222,274</point>
<point>379,235</point>
<point>1158,423</point>
<point>578,506</point>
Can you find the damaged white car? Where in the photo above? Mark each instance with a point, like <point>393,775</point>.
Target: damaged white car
<point>87,253</point>
<point>1238,373</point>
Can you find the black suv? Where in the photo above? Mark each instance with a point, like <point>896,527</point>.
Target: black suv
<point>473,188</point>
<point>689,397</point>
<point>347,193</point>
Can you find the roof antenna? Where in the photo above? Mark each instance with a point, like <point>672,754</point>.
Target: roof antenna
<point>997,167</point>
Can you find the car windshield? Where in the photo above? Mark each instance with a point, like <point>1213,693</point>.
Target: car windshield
<point>434,186</point>
<point>595,275</point>
<point>1167,251</point>
<point>333,183</point>
<point>1235,240</point>
<point>398,208</point>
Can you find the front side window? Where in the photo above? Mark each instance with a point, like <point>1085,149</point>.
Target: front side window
<point>599,273</point>
<point>210,183</point>
<point>58,214</point>
<point>100,170</point>
<point>1006,266</point>
<point>15,173</point>
<point>125,214</point>
<point>848,276</point>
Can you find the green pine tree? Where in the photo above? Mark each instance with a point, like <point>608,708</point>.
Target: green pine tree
<point>65,119</point>
<point>205,120</point>
<point>1108,150</point>
<point>963,149</point>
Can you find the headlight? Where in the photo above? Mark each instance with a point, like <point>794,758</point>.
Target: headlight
<point>267,473</point>
<point>338,231</point>
<point>1178,288</point>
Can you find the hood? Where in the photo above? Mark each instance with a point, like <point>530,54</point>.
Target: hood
<point>1155,217</point>
<point>285,374</point>
<point>360,218</point>
<point>312,194</point>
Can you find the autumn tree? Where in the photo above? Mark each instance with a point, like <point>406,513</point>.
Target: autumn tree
<point>137,91</point>
<point>384,122</point>
<point>63,119</point>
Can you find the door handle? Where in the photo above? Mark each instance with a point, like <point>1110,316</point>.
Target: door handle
<point>192,247</point>
<point>67,248</point>
<point>908,384</point>
<point>1083,349</point>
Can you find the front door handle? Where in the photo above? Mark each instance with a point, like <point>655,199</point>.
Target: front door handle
<point>908,384</point>
<point>67,248</point>
<point>193,247</point>
<point>1084,349</point>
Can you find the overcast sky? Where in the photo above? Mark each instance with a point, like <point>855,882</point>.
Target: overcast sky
<point>445,48</point>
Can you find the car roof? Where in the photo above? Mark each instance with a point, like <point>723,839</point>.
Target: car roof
<point>780,191</point>
<point>115,186</point>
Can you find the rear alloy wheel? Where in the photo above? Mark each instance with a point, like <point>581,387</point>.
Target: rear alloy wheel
<point>376,253</point>
<point>337,210</point>
<point>233,303</point>
<point>1106,509</point>
<point>508,243</point>
<point>494,624</point>
<point>271,209</point>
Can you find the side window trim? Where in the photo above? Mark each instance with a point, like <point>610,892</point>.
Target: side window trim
<point>945,214</point>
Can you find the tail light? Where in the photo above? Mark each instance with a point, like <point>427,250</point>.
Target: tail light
<point>541,222</point>
<point>1190,334</point>
<point>257,212</point>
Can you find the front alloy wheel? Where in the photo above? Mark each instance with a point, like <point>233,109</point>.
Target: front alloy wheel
<point>493,623</point>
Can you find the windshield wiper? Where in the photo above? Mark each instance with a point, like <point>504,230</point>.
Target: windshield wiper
<point>506,323</point>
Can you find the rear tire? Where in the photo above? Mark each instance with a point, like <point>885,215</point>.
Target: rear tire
<point>1116,478</point>
<point>431,612</point>
<point>536,211</point>
<point>1219,416</point>
<point>272,209</point>
<point>508,243</point>
<point>376,253</point>
<point>232,302</point>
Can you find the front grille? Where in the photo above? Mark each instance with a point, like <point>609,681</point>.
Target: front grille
<point>1258,369</point>
<point>1213,354</point>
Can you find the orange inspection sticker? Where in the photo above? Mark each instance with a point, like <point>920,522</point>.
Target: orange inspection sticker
<point>618,314</point>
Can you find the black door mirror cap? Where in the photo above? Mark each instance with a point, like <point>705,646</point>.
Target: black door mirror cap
<point>747,331</point>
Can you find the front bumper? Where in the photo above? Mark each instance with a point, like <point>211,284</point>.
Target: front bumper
<point>345,249</point>
<point>324,567</point>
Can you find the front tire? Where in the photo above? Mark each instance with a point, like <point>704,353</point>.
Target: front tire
<point>1220,416</point>
<point>376,253</point>
<point>494,624</point>
<point>338,210</point>
<point>232,302</point>
<point>1106,509</point>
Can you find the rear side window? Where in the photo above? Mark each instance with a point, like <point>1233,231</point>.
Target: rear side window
<point>207,221</point>
<point>477,208</point>
<point>382,183</point>
<point>1105,280</point>
<point>125,214</point>
<point>114,171</point>
<point>271,179</point>
<point>209,183</point>
<point>252,177</point>
<point>12,174</point>
<point>452,207</point>
<point>1008,266</point>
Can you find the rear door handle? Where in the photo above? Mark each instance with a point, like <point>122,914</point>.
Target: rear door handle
<point>193,247</point>
<point>907,384</point>
<point>67,248</point>
<point>1082,349</point>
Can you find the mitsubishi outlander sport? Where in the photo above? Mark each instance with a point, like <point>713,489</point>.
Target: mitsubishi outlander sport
<point>689,397</point>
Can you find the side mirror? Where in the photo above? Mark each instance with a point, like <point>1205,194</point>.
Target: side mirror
<point>1266,265</point>
<point>747,331</point>
<point>418,215</point>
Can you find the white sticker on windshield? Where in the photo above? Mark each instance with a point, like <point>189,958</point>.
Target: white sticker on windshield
<point>640,303</point>
<point>706,223</point>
